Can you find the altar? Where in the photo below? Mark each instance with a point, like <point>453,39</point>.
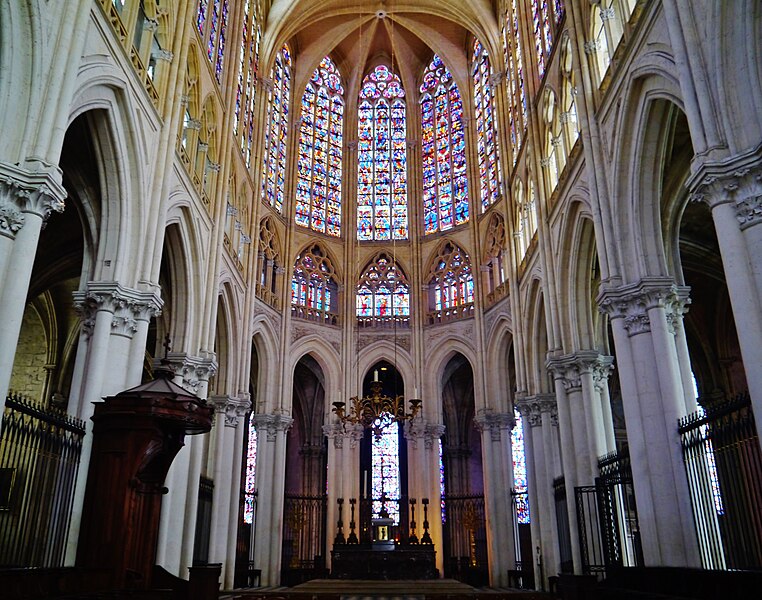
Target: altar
<point>362,561</point>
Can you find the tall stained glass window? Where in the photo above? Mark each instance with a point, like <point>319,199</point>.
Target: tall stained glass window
<point>451,280</point>
<point>212,24</point>
<point>486,133</point>
<point>318,186</point>
<point>385,474</point>
<point>382,158</point>
<point>519,469</point>
<point>248,73</point>
<point>443,144</point>
<point>442,481</point>
<point>250,479</point>
<point>514,77</point>
<point>383,293</point>
<point>276,134</point>
<point>543,37</point>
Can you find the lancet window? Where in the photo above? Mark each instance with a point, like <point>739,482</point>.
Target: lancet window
<point>318,187</point>
<point>514,78</point>
<point>248,73</point>
<point>385,472</point>
<point>268,262</point>
<point>519,469</point>
<point>314,289</point>
<point>383,294</point>
<point>443,145</point>
<point>250,479</point>
<point>382,158</point>
<point>546,15</point>
<point>276,134</point>
<point>212,24</point>
<point>486,132</point>
<point>494,255</point>
<point>451,283</point>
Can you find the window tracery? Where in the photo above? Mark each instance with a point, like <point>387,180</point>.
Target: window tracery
<point>494,257</point>
<point>269,262</point>
<point>314,289</point>
<point>382,158</point>
<point>188,138</point>
<point>276,134</point>
<point>383,293</point>
<point>248,75</point>
<point>443,145</point>
<point>451,284</point>
<point>318,187</point>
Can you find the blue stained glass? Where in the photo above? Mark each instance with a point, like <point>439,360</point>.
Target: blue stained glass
<point>201,16</point>
<point>489,165</point>
<point>383,290</point>
<point>382,158</point>
<point>453,280</point>
<point>385,469</point>
<point>443,149</point>
<point>519,469</point>
<point>218,63</point>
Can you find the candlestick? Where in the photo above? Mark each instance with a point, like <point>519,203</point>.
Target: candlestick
<point>375,375</point>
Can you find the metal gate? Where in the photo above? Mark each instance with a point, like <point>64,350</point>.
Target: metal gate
<point>465,539</point>
<point>723,463</point>
<point>304,539</point>
<point>39,459</point>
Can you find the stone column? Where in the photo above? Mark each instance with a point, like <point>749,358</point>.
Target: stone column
<point>541,448</point>
<point>654,399</point>
<point>733,190</point>
<point>498,481</point>
<point>27,198</point>
<point>271,465</point>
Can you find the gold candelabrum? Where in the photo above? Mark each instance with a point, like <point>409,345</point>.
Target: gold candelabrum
<point>370,411</point>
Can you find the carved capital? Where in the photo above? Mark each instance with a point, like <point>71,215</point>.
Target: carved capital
<point>128,306</point>
<point>591,47</point>
<point>487,419</point>
<point>194,370</point>
<point>33,188</point>
<point>633,302</point>
<point>272,424</point>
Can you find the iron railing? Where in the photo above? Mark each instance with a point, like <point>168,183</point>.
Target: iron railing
<point>304,538</point>
<point>523,575</point>
<point>39,458</point>
<point>723,463</point>
<point>465,539</point>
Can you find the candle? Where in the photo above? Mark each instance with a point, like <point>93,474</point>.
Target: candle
<point>415,392</point>
<point>375,375</point>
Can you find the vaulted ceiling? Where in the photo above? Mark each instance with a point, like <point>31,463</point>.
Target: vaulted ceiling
<point>359,34</point>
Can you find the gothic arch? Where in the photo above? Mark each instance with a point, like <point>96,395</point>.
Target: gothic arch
<point>435,372</point>
<point>227,342</point>
<point>500,344</point>
<point>391,352</point>
<point>265,343</point>
<point>537,340</point>
<point>326,356</point>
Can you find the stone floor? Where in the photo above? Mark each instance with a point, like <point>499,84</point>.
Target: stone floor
<point>335,589</point>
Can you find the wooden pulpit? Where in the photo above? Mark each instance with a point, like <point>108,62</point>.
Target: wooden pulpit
<point>136,436</point>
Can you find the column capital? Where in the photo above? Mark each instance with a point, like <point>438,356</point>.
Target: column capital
<point>736,181</point>
<point>193,369</point>
<point>487,419</point>
<point>534,407</point>
<point>633,301</point>
<point>36,188</point>
<point>569,368</point>
<point>272,424</point>
<point>128,306</point>
<point>420,429</point>
<point>229,407</point>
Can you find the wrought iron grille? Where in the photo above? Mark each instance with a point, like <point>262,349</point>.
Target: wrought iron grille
<point>465,539</point>
<point>723,463</point>
<point>39,459</point>
<point>304,537</point>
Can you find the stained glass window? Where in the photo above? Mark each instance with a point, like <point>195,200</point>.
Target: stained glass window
<point>248,73</point>
<point>383,293</point>
<point>519,469</point>
<point>212,24</point>
<point>201,16</point>
<point>514,77</point>
<point>312,285</point>
<point>382,158</point>
<point>442,481</point>
<point>543,36</point>
<point>486,132</point>
<point>494,247</point>
<point>443,145</point>
<point>276,134</point>
<point>385,475</point>
<point>318,186</point>
<point>250,480</point>
<point>451,279</point>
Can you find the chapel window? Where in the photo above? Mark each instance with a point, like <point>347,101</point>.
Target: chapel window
<point>276,132</point>
<point>451,284</point>
<point>382,158</point>
<point>248,74</point>
<point>314,290</point>
<point>211,24</point>
<point>318,186</point>
<point>443,145</point>
<point>383,294</point>
<point>486,132</point>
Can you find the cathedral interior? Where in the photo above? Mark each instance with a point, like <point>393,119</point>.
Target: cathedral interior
<point>287,286</point>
